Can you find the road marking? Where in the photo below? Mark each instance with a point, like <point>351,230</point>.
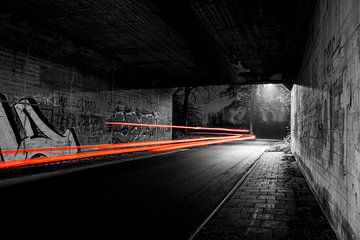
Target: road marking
<point>230,193</point>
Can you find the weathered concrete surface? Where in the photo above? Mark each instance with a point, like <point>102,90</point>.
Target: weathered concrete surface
<point>326,113</point>
<point>24,126</point>
<point>68,97</point>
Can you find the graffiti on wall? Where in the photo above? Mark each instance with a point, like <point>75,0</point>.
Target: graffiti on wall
<point>53,108</point>
<point>128,133</point>
<point>24,126</point>
<point>90,120</point>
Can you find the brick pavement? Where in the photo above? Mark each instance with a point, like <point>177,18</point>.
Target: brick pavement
<point>274,202</point>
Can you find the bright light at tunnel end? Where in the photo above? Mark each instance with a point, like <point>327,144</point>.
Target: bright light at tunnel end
<point>99,150</point>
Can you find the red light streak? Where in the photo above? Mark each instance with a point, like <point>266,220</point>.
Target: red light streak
<point>188,145</point>
<point>105,146</point>
<point>118,148</point>
<point>64,157</point>
<point>175,126</point>
<point>210,133</point>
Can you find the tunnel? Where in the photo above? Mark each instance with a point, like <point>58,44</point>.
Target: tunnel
<point>182,119</point>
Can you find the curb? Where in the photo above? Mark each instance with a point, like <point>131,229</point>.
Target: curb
<point>228,195</point>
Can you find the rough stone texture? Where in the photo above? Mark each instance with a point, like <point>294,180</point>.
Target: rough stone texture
<point>326,113</point>
<point>274,202</point>
<point>70,98</point>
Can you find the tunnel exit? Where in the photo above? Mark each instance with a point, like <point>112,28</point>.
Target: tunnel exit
<point>264,109</point>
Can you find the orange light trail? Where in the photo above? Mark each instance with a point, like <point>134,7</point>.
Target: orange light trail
<point>119,148</point>
<point>105,146</point>
<point>175,126</point>
<point>210,133</point>
<point>187,145</point>
<point>167,147</point>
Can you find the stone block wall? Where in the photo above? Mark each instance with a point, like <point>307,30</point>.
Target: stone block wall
<point>62,97</point>
<point>325,114</point>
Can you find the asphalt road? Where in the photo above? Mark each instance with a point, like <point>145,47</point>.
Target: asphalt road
<point>163,197</point>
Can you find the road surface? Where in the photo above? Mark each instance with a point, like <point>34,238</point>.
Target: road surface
<point>163,197</point>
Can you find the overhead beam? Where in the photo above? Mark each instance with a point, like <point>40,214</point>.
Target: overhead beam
<point>180,16</point>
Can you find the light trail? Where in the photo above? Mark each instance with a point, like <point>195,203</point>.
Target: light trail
<point>187,145</point>
<point>216,133</point>
<point>65,157</point>
<point>175,126</point>
<point>103,146</point>
<point>119,148</point>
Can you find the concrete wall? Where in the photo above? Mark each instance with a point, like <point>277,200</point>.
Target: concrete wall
<point>326,113</point>
<point>57,97</point>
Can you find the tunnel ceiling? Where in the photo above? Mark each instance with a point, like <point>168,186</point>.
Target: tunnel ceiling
<point>154,43</point>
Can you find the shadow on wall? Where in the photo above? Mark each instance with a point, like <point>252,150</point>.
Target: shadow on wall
<point>23,126</point>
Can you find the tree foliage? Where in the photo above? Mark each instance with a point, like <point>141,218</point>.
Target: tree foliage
<point>238,93</point>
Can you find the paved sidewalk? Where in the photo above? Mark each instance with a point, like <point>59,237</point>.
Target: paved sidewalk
<point>274,202</point>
